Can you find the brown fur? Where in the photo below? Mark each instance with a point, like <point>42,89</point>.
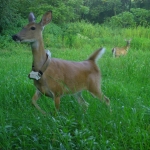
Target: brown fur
<point>61,76</point>
<point>120,51</point>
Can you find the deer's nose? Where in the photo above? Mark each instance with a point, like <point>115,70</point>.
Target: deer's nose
<point>15,38</point>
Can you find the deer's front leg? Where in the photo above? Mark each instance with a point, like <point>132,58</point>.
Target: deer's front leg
<point>35,97</point>
<point>57,102</point>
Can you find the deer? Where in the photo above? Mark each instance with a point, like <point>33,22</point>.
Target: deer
<point>54,77</point>
<point>121,51</point>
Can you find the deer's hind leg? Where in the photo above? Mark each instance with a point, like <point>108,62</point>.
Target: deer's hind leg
<point>95,90</point>
<point>81,100</point>
<point>101,97</point>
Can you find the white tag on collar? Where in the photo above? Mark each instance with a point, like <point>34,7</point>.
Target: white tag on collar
<point>48,53</point>
<point>34,75</point>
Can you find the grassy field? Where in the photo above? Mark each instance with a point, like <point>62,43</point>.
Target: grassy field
<point>125,80</point>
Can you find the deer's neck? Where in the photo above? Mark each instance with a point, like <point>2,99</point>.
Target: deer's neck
<point>39,54</point>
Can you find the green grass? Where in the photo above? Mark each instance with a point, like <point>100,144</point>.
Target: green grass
<point>125,81</point>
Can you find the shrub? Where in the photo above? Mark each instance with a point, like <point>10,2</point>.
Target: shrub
<point>9,17</point>
<point>136,17</point>
<point>125,19</point>
<point>141,16</point>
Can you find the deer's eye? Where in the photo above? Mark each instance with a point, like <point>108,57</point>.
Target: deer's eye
<point>32,28</point>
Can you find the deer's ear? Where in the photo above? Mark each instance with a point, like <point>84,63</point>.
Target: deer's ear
<point>31,17</point>
<point>46,18</point>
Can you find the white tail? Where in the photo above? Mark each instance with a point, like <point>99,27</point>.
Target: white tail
<point>119,51</point>
<point>55,77</point>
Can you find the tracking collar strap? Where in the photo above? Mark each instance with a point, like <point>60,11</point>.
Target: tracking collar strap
<point>38,75</point>
<point>40,72</point>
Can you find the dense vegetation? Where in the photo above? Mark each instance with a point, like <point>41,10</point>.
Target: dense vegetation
<point>125,80</point>
<point>124,13</point>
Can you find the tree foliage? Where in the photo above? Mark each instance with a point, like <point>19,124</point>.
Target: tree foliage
<point>65,11</point>
<point>136,17</point>
<point>9,15</point>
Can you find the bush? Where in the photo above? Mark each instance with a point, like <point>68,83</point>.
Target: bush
<point>125,19</point>
<point>141,16</point>
<point>9,18</point>
<point>136,17</point>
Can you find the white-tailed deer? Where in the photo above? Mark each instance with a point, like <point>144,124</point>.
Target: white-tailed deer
<point>120,51</point>
<point>55,77</point>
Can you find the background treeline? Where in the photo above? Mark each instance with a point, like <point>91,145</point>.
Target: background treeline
<point>115,13</point>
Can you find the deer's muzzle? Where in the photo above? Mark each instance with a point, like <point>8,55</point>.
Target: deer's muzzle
<point>16,38</point>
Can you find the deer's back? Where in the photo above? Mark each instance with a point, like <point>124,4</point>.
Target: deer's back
<point>62,77</point>
<point>119,51</point>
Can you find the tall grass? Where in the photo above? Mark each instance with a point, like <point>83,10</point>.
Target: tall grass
<point>125,81</point>
<point>85,35</point>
